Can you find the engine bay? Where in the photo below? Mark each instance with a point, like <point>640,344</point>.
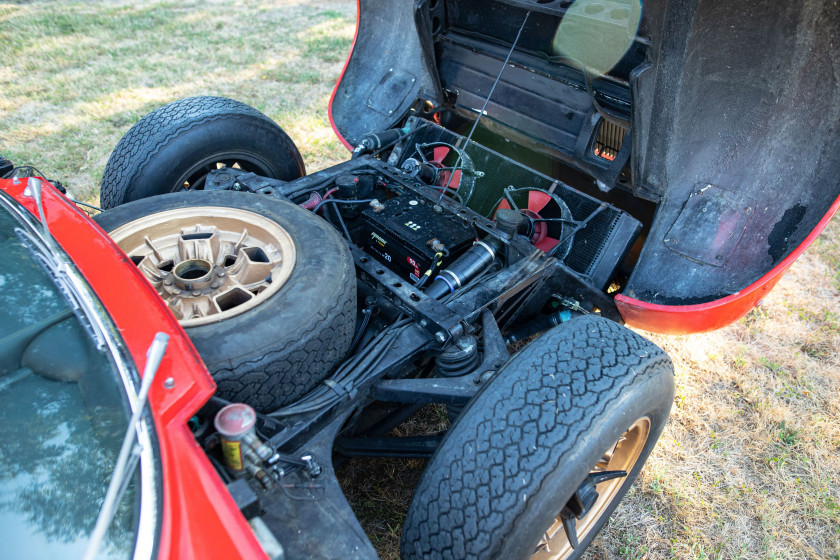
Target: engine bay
<point>419,209</point>
<point>459,252</point>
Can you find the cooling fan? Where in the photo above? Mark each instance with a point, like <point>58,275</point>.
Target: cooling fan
<point>548,219</point>
<point>445,167</point>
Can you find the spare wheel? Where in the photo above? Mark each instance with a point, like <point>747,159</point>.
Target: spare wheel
<point>173,148</point>
<point>265,290</point>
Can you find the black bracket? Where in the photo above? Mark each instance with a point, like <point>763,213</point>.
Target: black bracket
<point>433,316</point>
<point>449,390</point>
<point>419,447</point>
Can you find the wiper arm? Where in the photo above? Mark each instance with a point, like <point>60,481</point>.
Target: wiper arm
<point>130,450</point>
<point>33,189</point>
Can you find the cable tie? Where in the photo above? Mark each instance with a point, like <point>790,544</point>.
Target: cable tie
<point>339,389</point>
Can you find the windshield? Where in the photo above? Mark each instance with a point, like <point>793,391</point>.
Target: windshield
<point>63,413</point>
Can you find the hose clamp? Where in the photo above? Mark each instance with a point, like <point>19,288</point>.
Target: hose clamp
<point>486,246</point>
<point>453,276</point>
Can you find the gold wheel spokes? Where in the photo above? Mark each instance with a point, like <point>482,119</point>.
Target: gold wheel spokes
<point>209,263</point>
<point>613,465</point>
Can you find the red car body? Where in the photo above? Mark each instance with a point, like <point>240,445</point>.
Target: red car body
<point>198,517</point>
<point>704,317</point>
<point>716,293</point>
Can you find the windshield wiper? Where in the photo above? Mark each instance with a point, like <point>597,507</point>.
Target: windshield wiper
<point>130,450</point>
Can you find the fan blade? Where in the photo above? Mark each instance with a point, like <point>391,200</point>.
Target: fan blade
<point>439,153</point>
<point>537,200</point>
<point>456,179</point>
<point>546,244</point>
<point>503,204</point>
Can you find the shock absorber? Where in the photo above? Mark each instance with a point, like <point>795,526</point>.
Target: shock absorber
<point>475,260</point>
<point>376,140</point>
<point>459,358</point>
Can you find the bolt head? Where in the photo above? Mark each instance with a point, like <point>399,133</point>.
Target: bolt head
<point>196,293</point>
<point>167,281</point>
<point>215,285</point>
<point>220,273</point>
<point>440,336</point>
<point>169,383</point>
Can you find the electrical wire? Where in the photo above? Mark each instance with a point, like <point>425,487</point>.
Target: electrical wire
<point>337,214</point>
<point>338,201</point>
<point>436,262</point>
<point>343,382</point>
<point>366,313</point>
<point>30,170</point>
<point>80,203</point>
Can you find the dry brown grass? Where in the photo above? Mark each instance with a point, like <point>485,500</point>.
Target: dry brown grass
<point>75,76</point>
<point>748,466</point>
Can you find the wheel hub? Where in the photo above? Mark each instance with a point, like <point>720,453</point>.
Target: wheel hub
<point>192,274</point>
<point>592,498</point>
<point>209,263</point>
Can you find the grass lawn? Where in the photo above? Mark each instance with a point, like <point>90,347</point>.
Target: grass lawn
<point>749,464</point>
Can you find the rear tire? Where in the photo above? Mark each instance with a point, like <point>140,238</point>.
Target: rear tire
<point>174,147</point>
<point>527,441</point>
<point>275,352</point>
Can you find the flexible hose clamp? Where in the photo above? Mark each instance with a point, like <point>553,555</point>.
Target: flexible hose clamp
<point>451,275</point>
<point>488,247</point>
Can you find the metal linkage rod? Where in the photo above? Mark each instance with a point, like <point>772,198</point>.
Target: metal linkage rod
<point>484,107</point>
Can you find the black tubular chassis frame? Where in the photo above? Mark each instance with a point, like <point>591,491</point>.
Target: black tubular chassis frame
<point>390,383</point>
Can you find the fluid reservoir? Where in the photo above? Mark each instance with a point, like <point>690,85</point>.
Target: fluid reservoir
<point>241,448</point>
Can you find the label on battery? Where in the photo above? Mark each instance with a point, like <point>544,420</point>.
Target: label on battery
<point>378,239</point>
<point>416,274</point>
<point>232,450</point>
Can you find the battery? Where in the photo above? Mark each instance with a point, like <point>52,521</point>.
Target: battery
<point>400,235</point>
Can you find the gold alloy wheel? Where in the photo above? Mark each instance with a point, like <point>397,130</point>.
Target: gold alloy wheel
<point>622,456</point>
<point>209,263</point>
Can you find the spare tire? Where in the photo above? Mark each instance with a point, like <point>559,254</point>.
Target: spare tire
<point>265,290</point>
<point>173,148</point>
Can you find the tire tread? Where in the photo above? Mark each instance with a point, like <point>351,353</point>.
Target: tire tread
<point>496,460</point>
<point>283,375</point>
<point>136,149</point>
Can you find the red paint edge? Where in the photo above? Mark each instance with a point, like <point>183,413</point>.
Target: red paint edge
<point>704,317</point>
<point>198,517</point>
<point>340,77</point>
